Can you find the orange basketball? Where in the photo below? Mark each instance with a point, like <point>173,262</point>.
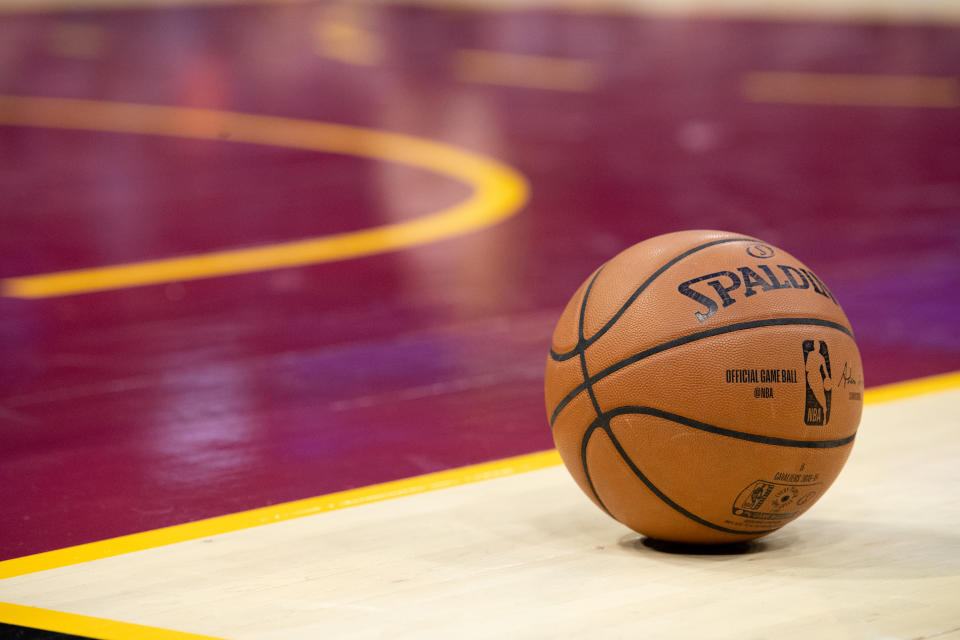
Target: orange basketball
<point>704,387</point>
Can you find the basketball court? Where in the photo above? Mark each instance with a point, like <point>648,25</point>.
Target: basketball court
<point>278,282</point>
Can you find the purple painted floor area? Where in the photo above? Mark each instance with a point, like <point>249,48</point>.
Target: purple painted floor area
<point>130,410</point>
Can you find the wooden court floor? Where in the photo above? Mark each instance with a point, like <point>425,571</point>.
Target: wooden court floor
<point>512,549</point>
<point>261,262</point>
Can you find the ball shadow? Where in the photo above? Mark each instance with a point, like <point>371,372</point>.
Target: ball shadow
<point>818,549</point>
<point>680,548</point>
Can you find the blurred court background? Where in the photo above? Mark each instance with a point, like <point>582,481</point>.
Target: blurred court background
<point>228,283</point>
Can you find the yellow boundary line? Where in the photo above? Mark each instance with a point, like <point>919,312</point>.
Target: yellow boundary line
<point>365,495</point>
<point>110,629</point>
<point>106,629</point>
<point>499,191</point>
<point>75,624</point>
<point>276,513</point>
<point>910,388</point>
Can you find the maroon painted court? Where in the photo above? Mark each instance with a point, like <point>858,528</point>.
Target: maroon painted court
<point>132,409</point>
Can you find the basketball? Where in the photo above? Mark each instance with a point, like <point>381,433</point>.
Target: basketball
<point>704,387</point>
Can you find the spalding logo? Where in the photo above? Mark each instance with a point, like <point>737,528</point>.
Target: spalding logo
<point>726,282</point>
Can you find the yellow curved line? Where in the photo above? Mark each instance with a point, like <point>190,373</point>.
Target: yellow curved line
<point>499,191</point>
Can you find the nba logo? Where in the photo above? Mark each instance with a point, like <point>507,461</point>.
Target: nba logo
<point>816,364</point>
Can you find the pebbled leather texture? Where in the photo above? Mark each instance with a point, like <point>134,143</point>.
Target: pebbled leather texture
<point>704,387</point>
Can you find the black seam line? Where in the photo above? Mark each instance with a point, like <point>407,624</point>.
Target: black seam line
<point>730,433</point>
<point>583,344</point>
<point>664,497</point>
<point>693,337</point>
<point>580,341</point>
<point>586,468</point>
<point>586,380</point>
